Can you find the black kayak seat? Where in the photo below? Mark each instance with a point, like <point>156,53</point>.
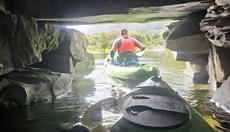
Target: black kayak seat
<point>155,111</point>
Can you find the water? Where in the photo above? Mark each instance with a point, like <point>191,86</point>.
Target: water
<point>68,110</point>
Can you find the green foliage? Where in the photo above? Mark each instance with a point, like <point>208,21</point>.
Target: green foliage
<point>104,41</point>
<point>149,40</point>
<point>101,41</point>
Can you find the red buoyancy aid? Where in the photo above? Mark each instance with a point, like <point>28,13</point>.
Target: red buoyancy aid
<point>127,44</point>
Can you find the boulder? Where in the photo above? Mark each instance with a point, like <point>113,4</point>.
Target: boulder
<point>196,66</point>
<point>185,35</point>
<point>21,42</point>
<point>222,95</point>
<point>84,67</point>
<point>54,54</point>
<point>198,71</point>
<point>70,56</point>
<point>219,63</point>
<point>18,40</point>
<point>59,59</point>
<point>78,44</point>
<point>83,62</point>
<point>27,86</point>
<point>181,56</point>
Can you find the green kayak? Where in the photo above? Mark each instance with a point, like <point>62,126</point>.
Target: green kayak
<point>154,107</point>
<point>131,74</point>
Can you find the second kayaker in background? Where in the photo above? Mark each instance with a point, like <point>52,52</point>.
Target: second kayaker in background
<point>124,49</point>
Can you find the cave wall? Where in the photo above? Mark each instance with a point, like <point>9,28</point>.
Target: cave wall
<point>186,36</point>
<point>39,61</point>
<point>202,39</point>
<point>18,48</point>
<point>76,8</point>
<point>2,5</point>
<point>191,45</point>
<point>216,26</point>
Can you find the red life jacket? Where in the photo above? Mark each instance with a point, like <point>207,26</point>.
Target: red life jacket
<point>125,44</point>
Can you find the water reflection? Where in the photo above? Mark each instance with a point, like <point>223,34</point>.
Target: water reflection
<point>84,86</point>
<point>89,91</point>
<point>173,72</point>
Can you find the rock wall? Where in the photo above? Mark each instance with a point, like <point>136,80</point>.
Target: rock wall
<point>221,96</point>
<point>191,45</point>
<point>202,39</point>
<point>28,85</point>
<point>18,47</point>
<point>196,66</point>
<point>83,61</point>
<point>39,61</point>
<point>77,8</point>
<point>2,5</point>
<point>58,59</point>
<point>186,36</point>
<point>216,26</point>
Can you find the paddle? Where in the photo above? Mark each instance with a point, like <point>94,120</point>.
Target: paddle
<point>140,53</point>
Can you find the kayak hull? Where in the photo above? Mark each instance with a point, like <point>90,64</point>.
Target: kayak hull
<point>131,74</point>
<point>157,87</point>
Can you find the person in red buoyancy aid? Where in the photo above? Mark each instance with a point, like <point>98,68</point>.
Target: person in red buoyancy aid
<point>123,51</point>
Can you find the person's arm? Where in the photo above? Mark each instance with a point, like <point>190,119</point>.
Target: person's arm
<point>113,49</point>
<point>138,44</point>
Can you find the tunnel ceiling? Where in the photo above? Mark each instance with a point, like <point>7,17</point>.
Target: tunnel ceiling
<point>104,11</point>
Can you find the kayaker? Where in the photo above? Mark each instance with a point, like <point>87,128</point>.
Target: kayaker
<point>123,51</point>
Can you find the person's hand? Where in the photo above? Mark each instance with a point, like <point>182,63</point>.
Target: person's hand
<point>143,49</point>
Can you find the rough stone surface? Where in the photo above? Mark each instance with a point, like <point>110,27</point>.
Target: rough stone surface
<point>27,86</point>
<point>185,35</point>
<point>57,60</point>
<point>21,43</point>
<point>76,8</point>
<point>196,65</point>
<point>51,50</point>
<point>216,25</point>
<point>17,44</point>
<point>222,94</point>
<point>2,5</point>
<point>189,44</point>
<point>49,36</point>
<point>218,66</point>
<point>222,2</point>
<point>71,55</point>
<point>78,44</point>
<point>181,56</point>
<point>83,62</point>
<point>198,71</point>
<point>84,67</point>
<point>219,62</point>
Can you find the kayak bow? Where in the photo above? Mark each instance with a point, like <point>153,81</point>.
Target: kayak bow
<point>154,107</point>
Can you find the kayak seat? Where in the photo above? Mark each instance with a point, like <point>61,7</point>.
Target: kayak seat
<point>155,111</point>
<point>126,59</point>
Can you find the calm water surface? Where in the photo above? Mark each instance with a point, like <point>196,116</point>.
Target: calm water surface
<point>64,112</point>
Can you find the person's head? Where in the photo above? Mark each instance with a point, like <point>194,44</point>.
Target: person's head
<point>124,32</point>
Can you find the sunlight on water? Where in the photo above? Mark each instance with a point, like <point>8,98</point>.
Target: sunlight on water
<point>97,89</point>
<point>173,72</point>
<point>109,118</point>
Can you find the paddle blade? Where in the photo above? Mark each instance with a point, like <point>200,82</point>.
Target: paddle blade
<point>140,53</point>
